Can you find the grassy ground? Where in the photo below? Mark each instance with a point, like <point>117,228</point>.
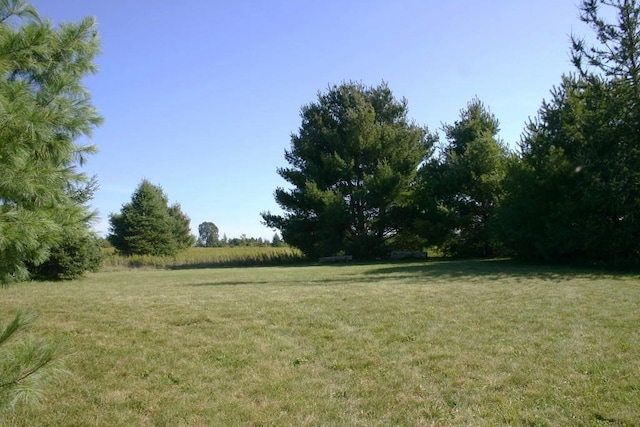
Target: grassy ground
<point>440,343</point>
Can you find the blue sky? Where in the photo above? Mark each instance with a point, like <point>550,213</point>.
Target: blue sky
<point>201,96</point>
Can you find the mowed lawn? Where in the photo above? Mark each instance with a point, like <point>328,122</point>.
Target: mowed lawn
<point>482,343</point>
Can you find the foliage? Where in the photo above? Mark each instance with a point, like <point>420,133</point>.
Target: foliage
<point>573,196</point>
<point>208,235</point>
<point>76,254</point>
<point>243,240</point>
<point>44,108</point>
<point>201,257</point>
<point>618,48</point>
<point>79,249</point>
<point>277,241</point>
<point>23,366</point>
<point>460,190</point>
<point>147,226</point>
<point>181,227</point>
<point>352,164</point>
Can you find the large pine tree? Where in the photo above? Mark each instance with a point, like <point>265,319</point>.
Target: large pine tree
<point>44,109</point>
<point>575,195</point>
<point>461,188</point>
<point>352,163</point>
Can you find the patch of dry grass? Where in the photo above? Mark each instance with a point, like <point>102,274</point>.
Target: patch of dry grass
<point>441,343</point>
<point>194,258</point>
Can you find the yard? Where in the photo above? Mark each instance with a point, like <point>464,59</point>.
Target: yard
<point>439,343</point>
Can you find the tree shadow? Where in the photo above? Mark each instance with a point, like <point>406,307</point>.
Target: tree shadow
<point>458,271</point>
<point>240,264</point>
<point>232,283</point>
<point>496,269</point>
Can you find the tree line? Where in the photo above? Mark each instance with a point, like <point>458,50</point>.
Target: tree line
<point>209,237</point>
<point>362,177</point>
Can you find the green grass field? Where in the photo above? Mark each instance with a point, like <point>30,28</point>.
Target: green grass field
<point>473,343</point>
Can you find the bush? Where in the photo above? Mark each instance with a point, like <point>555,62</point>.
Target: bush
<point>77,254</point>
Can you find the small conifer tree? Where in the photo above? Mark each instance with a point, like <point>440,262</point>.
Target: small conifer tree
<point>147,226</point>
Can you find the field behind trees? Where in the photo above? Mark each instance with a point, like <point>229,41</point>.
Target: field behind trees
<point>198,257</point>
<point>436,343</point>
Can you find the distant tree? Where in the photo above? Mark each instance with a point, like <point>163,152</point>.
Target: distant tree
<point>239,241</point>
<point>44,109</point>
<point>460,191</point>
<point>181,227</point>
<point>573,197</point>
<point>277,241</point>
<point>208,235</point>
<point>147,226</point>
<point>243,241</point>
<point>352,164</point>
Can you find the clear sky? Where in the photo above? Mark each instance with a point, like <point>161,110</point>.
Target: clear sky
<point>201,96</point>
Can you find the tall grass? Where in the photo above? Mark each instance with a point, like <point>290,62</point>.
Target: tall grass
<point>206,257</point>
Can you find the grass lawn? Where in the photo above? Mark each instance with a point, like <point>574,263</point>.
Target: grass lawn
<point>482,343</point>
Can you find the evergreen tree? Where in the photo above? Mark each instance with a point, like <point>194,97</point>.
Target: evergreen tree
<point>615,56</point>
<point>574,195</point>
<point>146,225</point>
<point>181,227</point>
<point>44,109</point>
<point>352,164</point>
<point>277,241</point>
<point>79,250</point>
<point>461,189</point>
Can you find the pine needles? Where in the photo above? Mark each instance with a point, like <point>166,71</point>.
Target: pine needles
<point>25,364</point>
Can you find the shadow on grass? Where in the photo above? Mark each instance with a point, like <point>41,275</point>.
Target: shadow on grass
<point>457,271</point>
<point>237,264</point>
<point>232,283</point>
<point>497,269</point>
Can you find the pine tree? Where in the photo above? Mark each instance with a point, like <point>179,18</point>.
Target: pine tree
<point>181,227</point>
<point>79,250</point>
<point>147,226</point>
<point>44,109</point>
<point>574,194</point>
<point>461,189</point>
<point>352,164</point>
